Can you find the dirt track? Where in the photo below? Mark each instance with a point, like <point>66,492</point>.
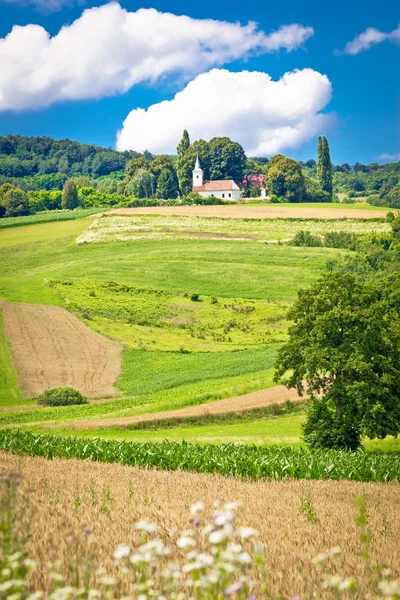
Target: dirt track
<point>51,347</point>
<point>275,395</point>
<point>253,212</point>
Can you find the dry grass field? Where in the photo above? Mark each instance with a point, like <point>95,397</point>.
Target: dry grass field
<point>260,399</point>
<point>77,512</point>
<point>52,347</point>
<point>255,212</point>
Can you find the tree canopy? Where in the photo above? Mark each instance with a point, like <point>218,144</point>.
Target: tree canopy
<point>344,346</point>
<point>284,178</point>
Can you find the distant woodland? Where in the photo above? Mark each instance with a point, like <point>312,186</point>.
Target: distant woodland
<point>40,168</point>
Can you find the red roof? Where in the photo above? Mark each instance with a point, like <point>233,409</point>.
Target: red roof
<point>219,185</point>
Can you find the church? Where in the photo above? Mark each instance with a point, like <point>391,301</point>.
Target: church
<point>220,188</point>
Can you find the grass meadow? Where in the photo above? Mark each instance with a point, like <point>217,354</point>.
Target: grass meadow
<point>199,308</point>
<point>176,352</point>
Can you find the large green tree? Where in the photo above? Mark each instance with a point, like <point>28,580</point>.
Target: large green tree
<point>167,187</point>
<point>135,165</point>
<point>344,351</point>
<point>284,178</point>
<point>324,166</point>
<point>227,159</point>
<point>70,197</point>
<point>142,184</point>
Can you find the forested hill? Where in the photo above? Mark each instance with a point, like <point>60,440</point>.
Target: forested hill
<point>42,163</point>
<point>50,162</point>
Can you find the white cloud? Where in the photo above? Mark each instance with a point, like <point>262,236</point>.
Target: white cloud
<point>265,116</point>
<point>45,6</point>
<point>389,157</point>
<point>108,50</point>
<point>370,37</point>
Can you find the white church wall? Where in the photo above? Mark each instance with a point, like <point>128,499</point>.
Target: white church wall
<point>233,195</point>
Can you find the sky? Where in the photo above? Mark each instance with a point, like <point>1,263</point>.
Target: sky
<point>270,75</point>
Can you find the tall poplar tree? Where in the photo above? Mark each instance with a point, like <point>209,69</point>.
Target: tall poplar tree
<point>183,144</point>
<point>70,197</point>
<point>181,150</point>
<point>324,167</point>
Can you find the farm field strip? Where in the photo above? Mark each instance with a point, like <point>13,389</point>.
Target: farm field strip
<point>154,319</point>
<point>270,211</point>
<point>260,399</point>
<point>68,496</point>
<point>112,228</point>
<point>51,347</point>
<point>248,462</point>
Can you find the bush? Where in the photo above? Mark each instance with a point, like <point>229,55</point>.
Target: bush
<point>14,202</point>
<point>341,239</point>
<point>195,297</point>
<point>61,396</point>
<point>305,238</point>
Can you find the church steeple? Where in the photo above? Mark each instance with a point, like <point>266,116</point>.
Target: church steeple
<point>197,174</point>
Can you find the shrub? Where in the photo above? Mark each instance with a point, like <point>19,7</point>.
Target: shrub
<point>14,202</point>
<point>61,396</point>
<point>195,298</point>
<point>305,238</point>
<point>341,239</point>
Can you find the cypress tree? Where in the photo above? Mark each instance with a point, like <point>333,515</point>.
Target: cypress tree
<point>183,144</point>
<point>324,168</point>
<point>70,195</point>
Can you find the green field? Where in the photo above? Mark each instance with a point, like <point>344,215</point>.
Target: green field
<point>9,392</point>
<point>117,228</point>
<point>178,351</point>
<point>49,216</point>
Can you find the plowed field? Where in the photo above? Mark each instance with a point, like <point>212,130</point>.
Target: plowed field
<point>51,347</point>
<point>254,212</point>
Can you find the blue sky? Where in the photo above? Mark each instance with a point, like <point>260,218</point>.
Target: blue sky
<point>362,117</point>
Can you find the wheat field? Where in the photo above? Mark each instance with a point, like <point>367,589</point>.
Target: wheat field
<point>78,512</point>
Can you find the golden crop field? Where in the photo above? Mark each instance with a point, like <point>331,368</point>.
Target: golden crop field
<point>78,512</point>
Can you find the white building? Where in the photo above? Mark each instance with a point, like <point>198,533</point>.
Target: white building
<point>225,189</point>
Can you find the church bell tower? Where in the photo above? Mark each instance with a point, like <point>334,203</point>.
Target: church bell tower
<point>197,174</point>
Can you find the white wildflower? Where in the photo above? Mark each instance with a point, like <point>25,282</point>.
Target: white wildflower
<point>216,537</point>
<point>146,526</point>
<point>246,532</point>
<point>197,507</point>
<point>185,542</point>
<point>122,551</point>
<point>232,505</point>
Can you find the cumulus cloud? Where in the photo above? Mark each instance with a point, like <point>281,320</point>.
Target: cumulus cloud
<point>370,37</point>
<point>46,6</point>
<point>265,116</point>
<point>108,50</point>
<point>389,157</point>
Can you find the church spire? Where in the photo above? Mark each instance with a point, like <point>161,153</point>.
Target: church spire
<point>197,174</point>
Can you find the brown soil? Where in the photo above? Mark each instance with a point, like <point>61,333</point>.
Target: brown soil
<point>252,212</point>
<point>52,347</point>
<point>260,399</point>
<point>296,520</point>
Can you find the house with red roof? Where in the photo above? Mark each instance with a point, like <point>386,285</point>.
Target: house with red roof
<point>226,189</point>
<point>254,180</point>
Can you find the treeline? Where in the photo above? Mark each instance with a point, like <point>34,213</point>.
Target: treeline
<point>45,163</point>
<point>41,167</point>
<point>379,183</point>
